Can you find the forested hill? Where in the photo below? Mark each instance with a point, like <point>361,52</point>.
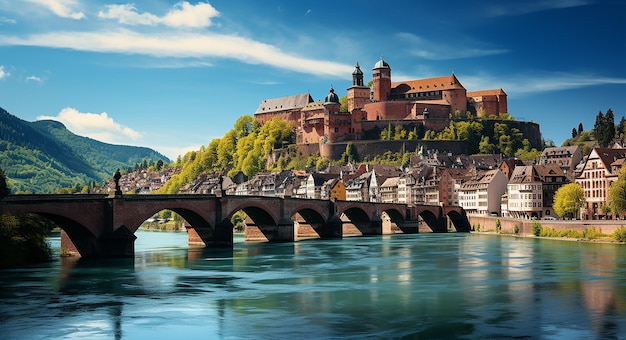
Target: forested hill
<point>43,156</point>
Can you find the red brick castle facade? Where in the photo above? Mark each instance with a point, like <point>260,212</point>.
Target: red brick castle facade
<point>430,102</point>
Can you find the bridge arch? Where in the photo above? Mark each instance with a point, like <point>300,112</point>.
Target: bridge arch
<point>393,221</point>
<point>76,238</point>
<point>459,220</point>
<point>195,219</point>
<point>309,223</point>
<point>431,220</point>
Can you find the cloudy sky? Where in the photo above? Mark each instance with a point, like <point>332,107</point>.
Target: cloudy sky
<point>174,75</point>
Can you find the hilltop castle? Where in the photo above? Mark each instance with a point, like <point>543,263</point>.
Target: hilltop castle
<point>430,102</point>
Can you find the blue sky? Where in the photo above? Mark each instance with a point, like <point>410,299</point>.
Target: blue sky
<point>174,75</point>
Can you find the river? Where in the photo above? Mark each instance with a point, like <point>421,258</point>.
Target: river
<point>426,286</point>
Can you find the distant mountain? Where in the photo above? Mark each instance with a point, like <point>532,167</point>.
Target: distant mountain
<point>44,156</point>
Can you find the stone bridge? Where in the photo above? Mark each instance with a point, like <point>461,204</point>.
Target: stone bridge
<point>104,226</point>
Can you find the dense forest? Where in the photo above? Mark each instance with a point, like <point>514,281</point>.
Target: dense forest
<point>43,156</point>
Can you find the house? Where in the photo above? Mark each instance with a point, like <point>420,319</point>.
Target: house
<point>483,193</point>
<point>315,182</point>
<point>552,179</point>
<point>389,190</point>
<point>333,189</point>
<point>596,176</point>
<point>449,184</point>
<point>357,189</point>
<point>406,182</point>
<point>525,193</point>
<point>566,157</point>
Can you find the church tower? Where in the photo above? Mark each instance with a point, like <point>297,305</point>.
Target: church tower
<point>381,77</point>
<point>358,93</point>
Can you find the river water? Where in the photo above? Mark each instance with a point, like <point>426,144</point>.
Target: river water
<point>426,286</point>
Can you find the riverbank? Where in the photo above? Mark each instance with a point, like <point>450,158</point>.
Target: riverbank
<point>605,231</point>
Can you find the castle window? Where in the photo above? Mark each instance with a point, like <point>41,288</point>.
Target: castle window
<point>336,129</point>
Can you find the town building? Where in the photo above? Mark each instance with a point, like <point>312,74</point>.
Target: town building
<point>525,193</point>
<point>599,171</point>
<point>566,157</point>
<point>482,194</point>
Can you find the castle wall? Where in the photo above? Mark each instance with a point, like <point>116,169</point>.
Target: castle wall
<point>397,109</point>
<point>363,148</point>
<point>288,115</point>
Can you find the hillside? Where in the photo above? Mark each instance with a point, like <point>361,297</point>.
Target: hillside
<point>44,156</point>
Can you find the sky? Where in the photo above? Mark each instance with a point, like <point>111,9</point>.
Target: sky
<point>173,75</point>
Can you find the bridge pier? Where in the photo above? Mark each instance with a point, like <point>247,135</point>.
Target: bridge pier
<point>120,243</point>
<point>284,231</point>
<point>409,227</point>
<point>220,236</point>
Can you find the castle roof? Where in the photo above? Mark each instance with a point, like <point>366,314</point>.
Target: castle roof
<point>294,102</point>
<point>381,64</point>
<point>429,84</point>
<point>331,97</point>
<point>496,92</point>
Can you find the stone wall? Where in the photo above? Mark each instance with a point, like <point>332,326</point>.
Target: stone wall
<point>363,148</point>
<point>488,224</point>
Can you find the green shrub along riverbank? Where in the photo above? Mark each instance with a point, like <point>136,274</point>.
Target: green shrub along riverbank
<point>538,230</point>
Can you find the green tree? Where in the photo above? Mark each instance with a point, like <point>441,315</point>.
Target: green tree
<point>617,193</point>
<point>343,102</point>
<point>568,200</point>
<point>350,155</point>
<point>620,130</point>
<point>485,147</point>
<point>604,128</point>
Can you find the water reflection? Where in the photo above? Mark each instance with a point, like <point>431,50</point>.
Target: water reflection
<point>427,286</point>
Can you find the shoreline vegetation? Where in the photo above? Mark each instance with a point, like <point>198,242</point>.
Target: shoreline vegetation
<point>591,234</point>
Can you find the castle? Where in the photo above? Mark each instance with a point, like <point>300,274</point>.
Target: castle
<point>429,102</point>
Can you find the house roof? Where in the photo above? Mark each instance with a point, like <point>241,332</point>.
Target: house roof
<point>297,101</point>
<point>549,170</point>
<point>391,182</point>
<point>524,174</point>
<point>608,156</point>
<point>559,151</point>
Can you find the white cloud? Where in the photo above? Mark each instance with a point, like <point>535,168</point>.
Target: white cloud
<point>62,8</point>
<point>183,14</point>
<point>4,20</point>
<point>525,7</point>
<point>127,14</point>
<point>3,73</point>
<point>181,45</point>
<point>35,79</point>
<point>433,50</point>
<point>98,126</point>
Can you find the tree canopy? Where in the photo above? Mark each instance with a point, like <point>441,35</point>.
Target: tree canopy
<point>604,128</point>
<point>568,200</point>
<point>617,193</point>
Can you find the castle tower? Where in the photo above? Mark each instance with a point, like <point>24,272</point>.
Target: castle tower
<point>381,77</point>
<point>358,94</point>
